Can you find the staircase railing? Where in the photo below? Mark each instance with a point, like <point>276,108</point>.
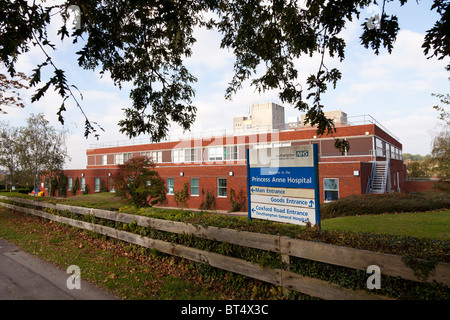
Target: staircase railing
<point>387,176</point>
<point>369,183</point>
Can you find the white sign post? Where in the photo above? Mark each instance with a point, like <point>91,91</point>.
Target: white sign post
<point>283,184</point>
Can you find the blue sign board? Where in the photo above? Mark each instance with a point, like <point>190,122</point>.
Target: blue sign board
<point>283,184</point>
<point>290,177</point>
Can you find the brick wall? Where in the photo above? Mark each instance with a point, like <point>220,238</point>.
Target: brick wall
<point>236,177</point>
<point>207,176</point>
<point>352,171</point>
<point>418,186</point>
<point>349,184</point>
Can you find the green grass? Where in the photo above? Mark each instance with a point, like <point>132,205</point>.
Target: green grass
<point>434,224</point>
<point>103,200</point>
<point>125,270</point>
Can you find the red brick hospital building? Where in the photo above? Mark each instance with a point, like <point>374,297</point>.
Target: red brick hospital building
<point>216,162</point>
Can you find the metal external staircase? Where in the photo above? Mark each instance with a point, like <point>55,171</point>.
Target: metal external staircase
<point>380,179</point>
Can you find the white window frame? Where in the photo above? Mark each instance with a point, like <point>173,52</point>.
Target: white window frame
<point>171,187</point>
<point>197,187</point>
<point>215,153</point>
<point>221,188</point>
<point>190,154</point>
<point>83,183</point>
<point>328,189</point>
<point>118,158</point>
<point>147,154</point>
<point>230,152</point>
<point>157,156</point>
<point>177,155</point>
<point>127,156</point>
<point>96,184</point>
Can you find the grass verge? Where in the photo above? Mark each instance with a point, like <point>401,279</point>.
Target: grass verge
<point>125,270</point>
<point>433,224</point>
<point>197,281</point>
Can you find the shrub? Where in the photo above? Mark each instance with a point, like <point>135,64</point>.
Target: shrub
<point>75,186</point>
<point>182,195</point>
<point>442,186</point>
<point>237,200</point>
<point>385,203</point>
<point>86,189</point>
<point>209,203</point>
<point>62,185</point>
<point>103,186</point>
<point>138,183</point>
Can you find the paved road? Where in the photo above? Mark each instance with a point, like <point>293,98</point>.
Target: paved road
<point>23,277</point>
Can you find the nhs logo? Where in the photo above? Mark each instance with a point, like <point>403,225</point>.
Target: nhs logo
<point>301,153</point>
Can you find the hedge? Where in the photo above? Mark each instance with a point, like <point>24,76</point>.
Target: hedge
<point>385,203</point>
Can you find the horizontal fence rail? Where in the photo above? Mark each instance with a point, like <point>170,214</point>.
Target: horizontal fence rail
<point>389,264</point>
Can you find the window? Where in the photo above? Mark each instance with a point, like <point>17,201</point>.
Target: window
<point>177,155</point>
<point>118,158</point>
<point>215,153</point>
<point>83,184</point>
<point>380,147</point>
<point>221,187</point>
<point>69,183</point>
<point>194,187</point>
<point>127,156</point>
<point>230,153</point>
<point>331,189</point>
<point>121,158</point>
<point>97,185</point>
<point>190,154</point>
<point>170,185</point>
<point>147,154</point>
<point>155,156</point>
<point>105,159</point>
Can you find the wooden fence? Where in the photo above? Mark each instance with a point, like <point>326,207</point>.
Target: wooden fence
<point>288,247</point>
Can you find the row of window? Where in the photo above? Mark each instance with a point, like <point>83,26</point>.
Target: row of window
<point>224,153</point>
<point>83,184</point>
<point>195,154</point>
<point>330,187</point>
<point>195,187</point>
<point>219,153</point>
<point>385,149</point>
<point>185,155</point>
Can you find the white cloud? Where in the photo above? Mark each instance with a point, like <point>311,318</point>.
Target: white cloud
<point>207,55</point>
<point>414,131</point>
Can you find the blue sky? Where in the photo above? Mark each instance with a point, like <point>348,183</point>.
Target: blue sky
<point>393,88</point>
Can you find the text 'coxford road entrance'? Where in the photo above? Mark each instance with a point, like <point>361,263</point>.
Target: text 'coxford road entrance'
<point>283,184</point>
